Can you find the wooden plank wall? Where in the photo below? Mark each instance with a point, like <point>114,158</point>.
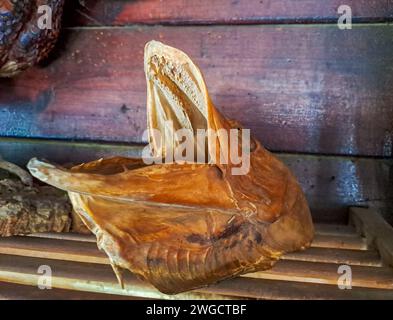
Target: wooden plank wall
<point>281,67</point>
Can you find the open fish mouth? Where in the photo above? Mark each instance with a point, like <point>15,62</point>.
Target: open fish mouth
<point>183,226</point>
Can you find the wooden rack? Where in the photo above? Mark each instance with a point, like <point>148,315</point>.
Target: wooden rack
<point>81,271</point>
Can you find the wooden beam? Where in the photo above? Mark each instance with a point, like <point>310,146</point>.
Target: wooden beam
<point>182,12</point>
<point>293,86</point>
<point>376,230</point>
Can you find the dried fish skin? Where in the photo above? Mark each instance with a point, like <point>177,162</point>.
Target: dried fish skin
<point>183,226</point>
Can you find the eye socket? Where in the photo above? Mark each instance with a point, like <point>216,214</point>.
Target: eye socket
<point>253,145</point>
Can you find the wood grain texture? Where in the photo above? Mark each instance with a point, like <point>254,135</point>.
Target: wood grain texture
<point>313,89</point>
<point>181,12</point>
<point>331,184</point>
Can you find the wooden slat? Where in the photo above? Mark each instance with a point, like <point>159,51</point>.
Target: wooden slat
<point>339,242</point>
<point>331,184</point>
<point>272,289</point>
<point>377,231</point>
<point>12,291</point>
<point>86,251</point>
<point>320,241</point>
<point>293,86</point>
<point>351,257</point>
<point>335,230</point>
<point>86,277</point>
<point>287,270</point>
<point>119,12</point>
<point>327,273</point>
<point>69,236</point>
<point>53,249</point>
<point>100,278</point>
<point>322,229</point>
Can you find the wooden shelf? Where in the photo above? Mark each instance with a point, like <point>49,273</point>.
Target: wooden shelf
<point>81,271</point>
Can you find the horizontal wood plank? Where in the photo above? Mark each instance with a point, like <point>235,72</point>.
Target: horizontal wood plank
<point>368,258</point>
<point>12,291</point>
<point>341,230</point>
<point>327,273</point>
<point>100,278</point>
<point>87,277</point>
<point>180,12</point>
<point>313,89</point>
<point>339,242</point>
<point>321,229</point>
<point>320,241</point>
<point>331,184</point>
<point>301,269</point>
<point>289,290</point>
<point>86,251</point>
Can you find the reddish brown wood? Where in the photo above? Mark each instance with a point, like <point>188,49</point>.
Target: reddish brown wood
<point>119,12</point>
<point>300,89</point>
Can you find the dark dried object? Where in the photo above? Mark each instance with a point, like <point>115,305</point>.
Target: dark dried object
<point>182,226</point>
<point>22,42</point>
<point>27,208</point>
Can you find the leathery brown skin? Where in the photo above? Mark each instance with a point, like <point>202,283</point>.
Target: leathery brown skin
<point>22,42</point>
<point>183,226</point>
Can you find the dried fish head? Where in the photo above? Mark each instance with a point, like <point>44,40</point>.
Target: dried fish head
<point>183,226</point>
